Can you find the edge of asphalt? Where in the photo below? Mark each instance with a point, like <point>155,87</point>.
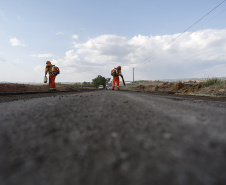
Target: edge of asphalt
<point>146,92</point>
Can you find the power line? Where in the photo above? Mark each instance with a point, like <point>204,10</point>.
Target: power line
<point>187,29</point>
<point>211,18</point>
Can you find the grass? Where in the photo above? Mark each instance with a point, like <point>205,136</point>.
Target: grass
<point>212,81</point>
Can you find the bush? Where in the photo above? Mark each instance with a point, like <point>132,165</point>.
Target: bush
<point>99,80</point>
<point>212,81</point>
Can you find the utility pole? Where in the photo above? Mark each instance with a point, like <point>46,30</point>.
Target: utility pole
<point>133,74</point>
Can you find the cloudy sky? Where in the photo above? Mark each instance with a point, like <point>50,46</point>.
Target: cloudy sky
<point>164,39</point>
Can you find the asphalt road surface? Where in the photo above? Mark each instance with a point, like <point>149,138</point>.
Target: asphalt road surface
<point>112,138</point>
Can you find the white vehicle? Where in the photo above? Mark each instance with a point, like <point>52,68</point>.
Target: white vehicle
<point>100,87</point>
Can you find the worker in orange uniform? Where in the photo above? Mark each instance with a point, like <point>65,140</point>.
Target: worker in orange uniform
<point>52,76</point>
<point>116,72</point>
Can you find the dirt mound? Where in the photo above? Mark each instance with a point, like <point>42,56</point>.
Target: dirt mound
<point>12,87</point>
<point>165,87</point>
<point>169,87</point>
<point>187,87</point>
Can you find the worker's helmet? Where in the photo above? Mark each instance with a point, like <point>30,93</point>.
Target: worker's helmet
<point>119,67</point>
<point>48,62</point>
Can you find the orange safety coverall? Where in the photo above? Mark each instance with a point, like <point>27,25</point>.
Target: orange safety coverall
<point>52,78</point>
<point>116,79</point>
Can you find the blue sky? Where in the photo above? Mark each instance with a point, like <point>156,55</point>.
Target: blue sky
<point>86,38</point>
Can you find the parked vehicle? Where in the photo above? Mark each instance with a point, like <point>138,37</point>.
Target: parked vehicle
<point>100,87</point>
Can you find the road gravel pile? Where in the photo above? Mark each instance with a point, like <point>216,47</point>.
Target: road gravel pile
<point>114,138</point>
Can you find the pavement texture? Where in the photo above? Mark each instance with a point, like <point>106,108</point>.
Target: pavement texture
<point>112,138</point>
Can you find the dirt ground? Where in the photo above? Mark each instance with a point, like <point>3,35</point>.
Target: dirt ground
<point>179,87</point>
<point>195,89</point>
<point>15,88</point>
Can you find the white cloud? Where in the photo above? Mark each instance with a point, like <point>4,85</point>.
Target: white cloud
<point>152,56</point>
<point>75,36</point>
<point>43,56</point>
<point>39,68</point>
<point>60,33</point>
<point>16,42</point>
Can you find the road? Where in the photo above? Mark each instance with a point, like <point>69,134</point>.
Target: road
<point>112,138</point>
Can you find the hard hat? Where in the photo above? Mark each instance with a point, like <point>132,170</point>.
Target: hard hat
<point>48,62</point>
<point>119,67</point>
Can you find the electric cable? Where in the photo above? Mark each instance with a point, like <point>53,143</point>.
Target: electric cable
<point>186,30</point>
<point>210,20</point>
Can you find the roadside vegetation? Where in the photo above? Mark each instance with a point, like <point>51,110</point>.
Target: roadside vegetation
<point>209,86</point>
<point>99,80</point>
<point>212,81</point>
<point>84,84</point>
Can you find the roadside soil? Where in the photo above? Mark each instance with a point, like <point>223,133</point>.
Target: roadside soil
<point>17,88</point>
<point>15,92</point>
<point>161,87</point>
<point>179,87</point>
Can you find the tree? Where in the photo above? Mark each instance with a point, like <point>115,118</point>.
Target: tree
<point>99,80</point>
<point>86,84</point>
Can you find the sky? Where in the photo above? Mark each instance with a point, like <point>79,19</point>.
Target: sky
<point>85,38</point>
